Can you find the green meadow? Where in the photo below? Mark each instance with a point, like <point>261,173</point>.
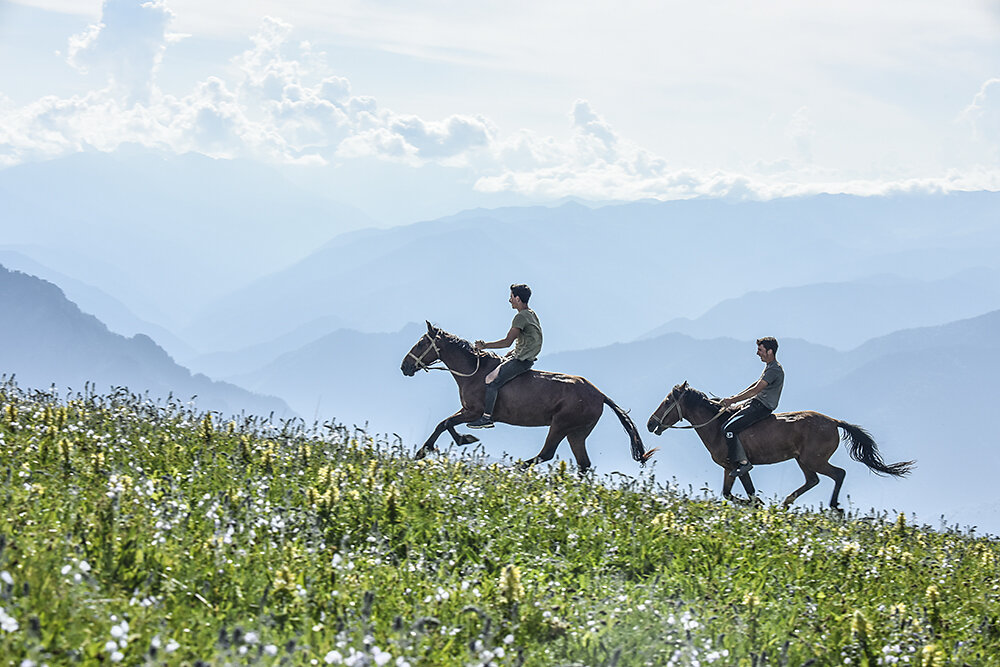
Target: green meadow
<point>145,533</point>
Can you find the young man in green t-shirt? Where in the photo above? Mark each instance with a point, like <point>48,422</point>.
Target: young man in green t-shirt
<point>526,333</point>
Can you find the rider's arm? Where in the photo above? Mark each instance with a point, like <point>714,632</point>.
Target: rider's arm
<point>500,344</point>
<point>749,392</point>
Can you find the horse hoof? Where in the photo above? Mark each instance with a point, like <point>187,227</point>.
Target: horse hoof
<point>422,452</point>
<point>467,439</point>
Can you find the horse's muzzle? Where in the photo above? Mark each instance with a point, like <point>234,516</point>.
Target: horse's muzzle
<point>409,370</point>
<point>654,426</point>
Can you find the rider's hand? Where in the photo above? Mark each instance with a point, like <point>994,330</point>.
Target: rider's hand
<point>480,344</point>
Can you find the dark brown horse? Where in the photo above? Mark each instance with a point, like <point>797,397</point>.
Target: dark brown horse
<point>810,438</point>
<point>569,405</point>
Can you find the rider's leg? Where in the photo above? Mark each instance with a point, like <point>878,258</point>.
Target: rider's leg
<point>749,415</point>
<point>506,372</point>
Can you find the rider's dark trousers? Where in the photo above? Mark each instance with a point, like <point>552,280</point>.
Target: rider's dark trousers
<point>509,370</point>
<point>752,413</point>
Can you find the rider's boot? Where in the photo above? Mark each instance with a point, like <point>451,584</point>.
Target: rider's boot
<point>486,421</point>
<point>738,456</point>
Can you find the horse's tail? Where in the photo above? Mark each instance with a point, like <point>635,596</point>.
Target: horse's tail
<point>864,450</point>
<point>639,452</point>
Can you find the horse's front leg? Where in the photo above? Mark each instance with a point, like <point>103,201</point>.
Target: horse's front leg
<point>460,417</point>
<point>464,439</point>
<point>727,488</point>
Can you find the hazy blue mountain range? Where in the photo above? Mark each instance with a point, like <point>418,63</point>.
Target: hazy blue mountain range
<point>113,313</point>
<point>841,314</point>
<point>45,339</point>
<point>244,241</point>
<point>119,222</point>
<point>615,272</point>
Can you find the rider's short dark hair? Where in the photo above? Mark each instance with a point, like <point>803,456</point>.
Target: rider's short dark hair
<point>769,343</point>
<point>522,292</point>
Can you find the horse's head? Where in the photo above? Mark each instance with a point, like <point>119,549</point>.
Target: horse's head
<point>424,353</point>
<point>669,412</point>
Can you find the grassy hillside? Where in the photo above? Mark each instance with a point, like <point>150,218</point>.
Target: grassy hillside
<point>144,533</point>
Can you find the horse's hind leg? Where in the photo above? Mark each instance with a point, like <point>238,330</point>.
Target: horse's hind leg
<point>578,443</point>
<point>812,479</point>
<point>552,440</point>
<point>837,475</point>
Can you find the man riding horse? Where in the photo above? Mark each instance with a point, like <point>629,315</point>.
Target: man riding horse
<point>763,398</point>
<point>526,333</point>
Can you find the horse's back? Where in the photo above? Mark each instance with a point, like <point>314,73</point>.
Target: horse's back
<point>561,380</point>
<point>801,416</point>
<point>535,397</point>
<point>784,435</point>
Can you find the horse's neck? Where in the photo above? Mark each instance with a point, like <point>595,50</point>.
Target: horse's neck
<point>711,432</point>
<point>460,360</point>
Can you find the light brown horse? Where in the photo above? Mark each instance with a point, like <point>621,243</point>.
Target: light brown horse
<point>810,438</point>
<point>569,405</point>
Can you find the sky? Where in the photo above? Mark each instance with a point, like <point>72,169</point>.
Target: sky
<point>542,99</point>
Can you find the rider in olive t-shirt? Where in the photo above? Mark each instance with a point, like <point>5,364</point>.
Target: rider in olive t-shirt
<point>526,334</point>
<point>529,342</point>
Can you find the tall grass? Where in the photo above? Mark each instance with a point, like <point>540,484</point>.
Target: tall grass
<point>144,532</point>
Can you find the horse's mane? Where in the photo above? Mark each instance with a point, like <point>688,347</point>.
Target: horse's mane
<point>698,398</point>
<point>465,345</point>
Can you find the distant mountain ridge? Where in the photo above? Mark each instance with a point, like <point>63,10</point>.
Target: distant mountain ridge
<point>45,339</point>
<point>110,311</point>
<point>643,262</point>
<point>160,232</point>
<point>837,314</point>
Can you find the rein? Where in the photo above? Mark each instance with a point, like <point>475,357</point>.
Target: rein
<point>419,361</point>
<point>680,416</point>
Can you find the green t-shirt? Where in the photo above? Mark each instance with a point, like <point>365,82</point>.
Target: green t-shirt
<point>529,343</point>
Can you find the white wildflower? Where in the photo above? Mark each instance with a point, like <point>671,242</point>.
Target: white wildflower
<point>7,623</point>
<point>380,657</point>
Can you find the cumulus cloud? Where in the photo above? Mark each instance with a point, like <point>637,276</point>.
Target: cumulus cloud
<point>597,164</point>
<point>281,102</point>
<point>127,44</point>
<point>984,113</point>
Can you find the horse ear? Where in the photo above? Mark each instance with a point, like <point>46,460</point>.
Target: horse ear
<point>430,327</point>
<point>685,385</point>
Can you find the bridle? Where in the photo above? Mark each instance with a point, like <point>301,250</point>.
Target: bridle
<point>422,366</point>
<point>680,416</point>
